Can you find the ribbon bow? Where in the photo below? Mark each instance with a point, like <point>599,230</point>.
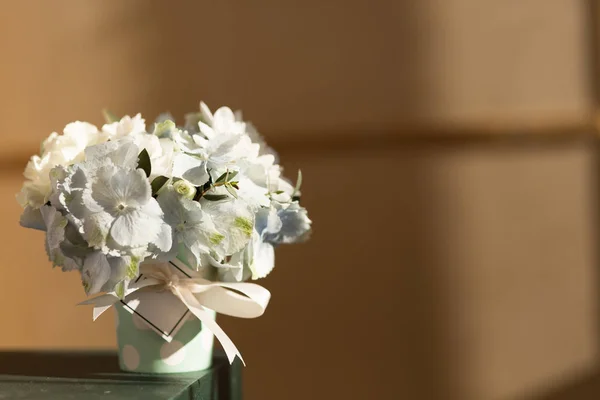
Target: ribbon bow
<point>243,300</point>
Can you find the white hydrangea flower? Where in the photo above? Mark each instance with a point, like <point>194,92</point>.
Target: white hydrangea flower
<point>188,160</point>
<point>102,218</point>
<point>234,219</point>
<point>257,178</point>
<point>283,223</point>
<point>124,127</point>
<point>193,230</point>
<point>110,200</point>
<point>102,273</point>
<point>65,149</point>
<point>223,121</point>
<point>121,211</point>
<point>225,142</point>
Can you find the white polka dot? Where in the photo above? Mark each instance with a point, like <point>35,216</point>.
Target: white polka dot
<point>172,353</point>
<point>206,338</point>
<point>131,357</point>
<point>140,323</point>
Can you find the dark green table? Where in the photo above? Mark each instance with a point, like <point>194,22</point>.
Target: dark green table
<point>96,375</point>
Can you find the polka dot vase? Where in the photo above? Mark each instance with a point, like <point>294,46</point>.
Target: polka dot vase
<point>143,350</point>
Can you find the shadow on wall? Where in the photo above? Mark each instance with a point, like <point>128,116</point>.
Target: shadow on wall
<point>441,275</point>
<point>585,388</point>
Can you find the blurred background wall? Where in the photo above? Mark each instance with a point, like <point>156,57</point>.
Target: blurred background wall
<point>450,166</point>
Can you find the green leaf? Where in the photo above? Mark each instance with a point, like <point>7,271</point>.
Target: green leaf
<point>226,177</point>
<point>231,191</point>
<point>232,174</point>
<point>109,117</point>
<point>158,183</point>
<point>120,289</point>
<point>215,197</point>
<point>298,183</point>
<point>133,268</point>
<point>144,162</point>
<point>278,192</point>
<point>222,178</point>
<point>163,127</point>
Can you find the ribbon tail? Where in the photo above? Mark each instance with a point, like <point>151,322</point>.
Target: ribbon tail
<point>101,304</point>
<point>196,308</point>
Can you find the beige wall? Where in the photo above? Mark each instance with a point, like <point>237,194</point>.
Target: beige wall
<point>474,275</point>
<point>296,67</point>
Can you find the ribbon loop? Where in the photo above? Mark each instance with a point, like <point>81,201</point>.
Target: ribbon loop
<point>242,300</point>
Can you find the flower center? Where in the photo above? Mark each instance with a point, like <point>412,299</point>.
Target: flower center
<point>181,227</point>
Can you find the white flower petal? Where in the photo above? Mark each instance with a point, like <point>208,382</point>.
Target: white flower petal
<point>32,218</point>
<point>224,122</point>
<point>135,229</point>
<point>55,233</point>
<point>164,240</point>
<point>190,168</point>
<point>96,227</point>
<point>206,130</point>
<point>234,219</point>
<point>206,114</point>
<point>95,272</point>
<point>263,258</point>
<point>126,126</point>
<point>123,153</point>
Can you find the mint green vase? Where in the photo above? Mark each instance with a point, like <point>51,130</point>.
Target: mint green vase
<point>143,350</point>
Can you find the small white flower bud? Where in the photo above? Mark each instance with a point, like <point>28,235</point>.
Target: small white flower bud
<point>185,188</point>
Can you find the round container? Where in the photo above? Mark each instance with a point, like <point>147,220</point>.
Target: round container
<point>143,350</point>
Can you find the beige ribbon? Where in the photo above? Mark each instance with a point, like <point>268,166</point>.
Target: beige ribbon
<point>242,300</point>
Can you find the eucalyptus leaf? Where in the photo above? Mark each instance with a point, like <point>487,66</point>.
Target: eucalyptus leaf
<point>226,177</point>
<point>144,162</point>
<point>232,174</point>
<point>158,183</point>
<point>215,197</point>
<point>231,190</point>
<point>222,178</point>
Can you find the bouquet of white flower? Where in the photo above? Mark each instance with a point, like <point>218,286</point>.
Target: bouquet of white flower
<point>209,194</point>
